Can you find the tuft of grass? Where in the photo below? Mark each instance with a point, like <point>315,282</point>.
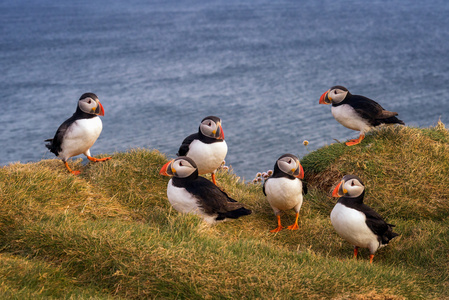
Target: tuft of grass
<point>111,233</point>
<point>438,133</point>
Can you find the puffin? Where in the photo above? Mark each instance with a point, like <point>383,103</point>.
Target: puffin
<point>284,189</point>
<point>189,193</point>
<point>356,222</point>
<point>357,112</point>
<point>207,147</point>
<point>77,134</point>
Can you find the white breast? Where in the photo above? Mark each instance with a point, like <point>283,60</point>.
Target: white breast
<point>80,137</point>
<point>284,194</point>
<point>184,202</point>
<point>348,117</point>
<point>208,157</point>
<point>350,225</point>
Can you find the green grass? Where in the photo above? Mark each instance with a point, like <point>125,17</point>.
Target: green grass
<point>111,233</point>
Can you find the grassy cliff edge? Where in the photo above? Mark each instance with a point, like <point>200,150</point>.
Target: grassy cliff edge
<point>111,233</point>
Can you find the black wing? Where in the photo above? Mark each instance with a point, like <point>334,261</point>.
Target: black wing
<point>304,187</point>
<point>377,225</point>
<point>367,108</point>
<point>373,111</point>
<point>211,198</point>
<point>54,144</point>
<point>374,221</point>
<point>184,148</point>
<point>263,186</point>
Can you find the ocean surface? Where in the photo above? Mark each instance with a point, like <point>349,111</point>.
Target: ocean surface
<point>160,67</point>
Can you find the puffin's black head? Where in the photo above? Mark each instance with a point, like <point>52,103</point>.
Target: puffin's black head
<point>211,127</point>
<point>90,104</point>
<point>350,186</point>
<point>335,94</point>
<point>289,164</point>
<point>180,167</point>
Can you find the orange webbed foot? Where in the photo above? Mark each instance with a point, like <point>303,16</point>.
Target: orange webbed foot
<point>279,228</point>
<point>70,170</point>
<point>293,227</point>
<point>355,141</point>
<point>352,142</point>
<point>98,159</point>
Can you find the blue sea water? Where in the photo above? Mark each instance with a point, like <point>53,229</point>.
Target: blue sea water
<point>159,67</point>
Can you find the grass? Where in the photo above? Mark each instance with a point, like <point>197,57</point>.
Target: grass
<point>110,232</point>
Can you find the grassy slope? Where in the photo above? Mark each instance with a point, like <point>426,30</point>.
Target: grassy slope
<point>111,233</point>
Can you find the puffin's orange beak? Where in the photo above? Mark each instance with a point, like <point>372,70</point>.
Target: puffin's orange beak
<point>324,99</point>
<point>166,169</point>
<point>100,109</point>
<point>221,133</point>
<point>336,192</point>
<point>301,173</point>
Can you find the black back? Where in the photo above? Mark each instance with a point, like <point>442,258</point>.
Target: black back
<point>210,198</point>
<point>370,110</point>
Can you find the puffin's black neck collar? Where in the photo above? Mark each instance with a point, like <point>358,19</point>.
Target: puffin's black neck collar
<point>83,115</point>
<point>179,182</point>
<point>352,200</point>
<point>207,139</point>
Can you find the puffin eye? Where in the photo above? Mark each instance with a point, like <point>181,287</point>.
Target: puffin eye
<point>210,124</point>
<point>180,163</point>
<point>90,101</point>
<point>352,183</point>
<point>289,161</point>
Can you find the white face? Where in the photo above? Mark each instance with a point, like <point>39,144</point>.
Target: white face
<point>337,95</point>
<point>210,129</point>
<point>88,105</point>
<point>288,165</point>
<point>353,188</point>
<point>182,168</point>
